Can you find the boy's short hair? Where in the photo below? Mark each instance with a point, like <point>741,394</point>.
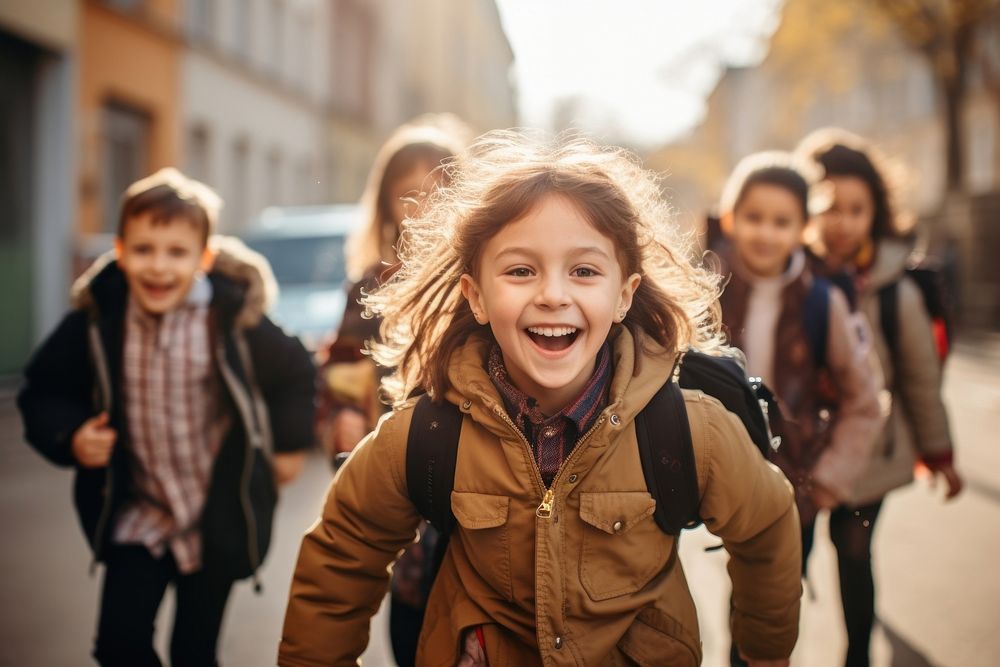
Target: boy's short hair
<point>167,195</point>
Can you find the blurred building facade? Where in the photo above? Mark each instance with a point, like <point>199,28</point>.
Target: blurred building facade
<point>846,65</point>
<point>272,102</point>
<point>38,66</point>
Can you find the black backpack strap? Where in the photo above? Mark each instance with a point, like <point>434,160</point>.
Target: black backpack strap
<point>816,318</point>
<point>667,456</point>
<point>888,315</point>
<point>431,453</point>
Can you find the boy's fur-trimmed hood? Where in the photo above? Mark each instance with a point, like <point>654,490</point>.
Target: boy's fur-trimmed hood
<point>233,261</point>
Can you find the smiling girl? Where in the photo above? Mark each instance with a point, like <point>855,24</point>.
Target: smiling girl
<point>542,294</point>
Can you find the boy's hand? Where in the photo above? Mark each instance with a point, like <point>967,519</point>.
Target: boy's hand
<point>951,478</point>
<point>94,441</point>
<point>287,466</point>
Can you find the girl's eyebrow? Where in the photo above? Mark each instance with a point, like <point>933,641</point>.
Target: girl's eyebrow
<point>531,252</point>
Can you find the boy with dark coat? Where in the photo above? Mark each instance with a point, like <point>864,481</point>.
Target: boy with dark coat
<point>181,406</point>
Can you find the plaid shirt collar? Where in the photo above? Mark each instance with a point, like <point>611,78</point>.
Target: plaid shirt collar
<point>523,409</point>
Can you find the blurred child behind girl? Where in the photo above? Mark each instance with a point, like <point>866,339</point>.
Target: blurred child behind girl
<point>407,167</point>
<point>543,295</point>
<point>859,232</point>
<point>774,309</point>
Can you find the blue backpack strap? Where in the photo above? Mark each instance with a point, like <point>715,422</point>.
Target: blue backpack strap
<point>816,318</point>
<point>431,454</point>
<point>665,449</point>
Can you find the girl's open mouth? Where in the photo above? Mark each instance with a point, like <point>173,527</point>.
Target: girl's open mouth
<point>553,339</point>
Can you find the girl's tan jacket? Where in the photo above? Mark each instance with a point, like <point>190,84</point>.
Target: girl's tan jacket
<point>593,583</point>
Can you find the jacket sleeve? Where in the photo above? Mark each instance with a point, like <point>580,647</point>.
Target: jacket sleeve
<point>342,572</point>
<point>859,419</point>
<point>918,375</point>
<point>57,394</point>
<point>286,375</point>
<point>749,504</point>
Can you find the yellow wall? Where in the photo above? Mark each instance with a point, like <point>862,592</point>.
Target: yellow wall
<point>136,60</point>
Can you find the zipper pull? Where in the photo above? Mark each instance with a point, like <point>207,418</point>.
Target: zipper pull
<point>544,510</point>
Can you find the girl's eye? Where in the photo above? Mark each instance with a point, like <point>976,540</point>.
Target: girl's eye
<point>178,252</point>
<point>519,272</point>
<point>584,272</point>
<point>141,249</point>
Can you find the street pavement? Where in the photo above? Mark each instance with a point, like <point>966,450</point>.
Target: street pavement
<point>937,583</point>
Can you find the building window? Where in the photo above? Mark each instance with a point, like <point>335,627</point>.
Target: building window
<point>124,154</point>
<point>242,22</point>
<point>127,5</point>
<point>278,37</point>
<point>198,150</point>
<point>274,190</point>
<point>238,204</point>
<point>201,20</point>
<point>353,51</point>
<point>304,184</point>
<point>304,47</point>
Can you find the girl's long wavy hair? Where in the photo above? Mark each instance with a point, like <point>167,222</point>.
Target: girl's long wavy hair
<point>505,174</point>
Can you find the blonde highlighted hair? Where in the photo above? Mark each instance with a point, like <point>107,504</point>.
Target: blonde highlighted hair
<point>504,175</point>
<point>428,140</point>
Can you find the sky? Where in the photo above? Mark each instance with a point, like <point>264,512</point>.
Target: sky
<point>629,71</point>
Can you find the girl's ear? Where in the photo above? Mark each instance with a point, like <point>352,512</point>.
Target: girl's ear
<point>119,247</point>
<point>726,223</point>
<point>470,290</point>
<point>629,287</point>
<point>207,259</point>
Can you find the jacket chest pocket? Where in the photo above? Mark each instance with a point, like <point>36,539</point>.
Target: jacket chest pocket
<point>622,548</point>
<point>485,537</point>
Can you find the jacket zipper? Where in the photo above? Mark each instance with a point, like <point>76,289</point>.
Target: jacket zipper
<point>246,411</point>
<point>544,510</point>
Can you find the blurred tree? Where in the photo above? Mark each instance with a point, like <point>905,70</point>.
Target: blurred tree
<point>950,34</point>
<point>821,46</point>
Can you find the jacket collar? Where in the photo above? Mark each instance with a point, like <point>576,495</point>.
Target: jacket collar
<point>891,258</point>
<point>630,390</point>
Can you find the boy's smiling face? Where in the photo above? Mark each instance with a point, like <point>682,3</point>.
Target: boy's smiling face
<point>550,286</point>
<point>160,261</point>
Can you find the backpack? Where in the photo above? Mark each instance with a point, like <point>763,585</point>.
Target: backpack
<point>662,432</point>
<point>930,280</point>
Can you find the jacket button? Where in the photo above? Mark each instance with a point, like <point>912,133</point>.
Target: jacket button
<point>558,642</point>
<point>615,420</point>
<point>617,526</point>
<point>572,478</point>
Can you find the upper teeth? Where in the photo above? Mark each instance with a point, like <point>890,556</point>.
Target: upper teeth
<point>552,331</point>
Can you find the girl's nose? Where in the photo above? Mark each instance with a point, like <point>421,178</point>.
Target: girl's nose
<point>553,293</point>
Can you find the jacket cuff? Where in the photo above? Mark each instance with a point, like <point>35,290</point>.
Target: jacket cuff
<point>937,461</point>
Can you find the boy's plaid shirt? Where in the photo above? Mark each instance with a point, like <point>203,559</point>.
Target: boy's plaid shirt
<point>553,438</point>
<point>175,424</point>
